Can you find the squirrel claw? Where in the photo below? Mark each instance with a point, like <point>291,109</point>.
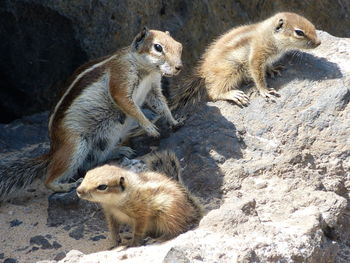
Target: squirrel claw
<point>178,124</point>
<point>275,70</point>
<point>152,131</point>
<point>269,93</point>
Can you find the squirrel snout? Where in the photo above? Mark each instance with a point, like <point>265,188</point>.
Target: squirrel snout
<point>178,67</point>
<point>80,191</point>
<point>317,42</point>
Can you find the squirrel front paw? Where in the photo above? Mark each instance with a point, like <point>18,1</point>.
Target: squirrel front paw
<point>151,130</point>
<point>176,124</point>
<point>268,93</point>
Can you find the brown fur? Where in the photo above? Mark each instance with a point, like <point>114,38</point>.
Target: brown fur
<point>152,203</point>
<point>88,78</point>
<point>164,162</point>
<point>246,53</point>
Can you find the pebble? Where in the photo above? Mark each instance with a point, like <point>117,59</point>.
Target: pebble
<point>41,241</point>
<point>60,256</point>
<point>97,238</point>
<point>77,233</point>
<point>56,245</point>
<point>15,222</point>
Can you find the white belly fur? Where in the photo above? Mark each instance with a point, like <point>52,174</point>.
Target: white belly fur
<point>144,87</point>
<point>139,96</point>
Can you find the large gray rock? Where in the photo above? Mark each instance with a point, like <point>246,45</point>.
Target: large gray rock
<point>274,177</point>
<point>43,41</point>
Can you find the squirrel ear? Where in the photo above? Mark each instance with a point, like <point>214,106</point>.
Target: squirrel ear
<point>122,183</point>
<point>139,39</point>
<point>167,32</point>
<point>279,25</point>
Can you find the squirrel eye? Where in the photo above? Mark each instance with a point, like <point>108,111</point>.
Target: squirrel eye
<point>299,33</point>
<point>158,48</point>
<point>102,187</point>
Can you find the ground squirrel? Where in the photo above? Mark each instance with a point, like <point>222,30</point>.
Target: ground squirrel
<point>154,204</point>
<point>245,53</point>
<point>99,107</point>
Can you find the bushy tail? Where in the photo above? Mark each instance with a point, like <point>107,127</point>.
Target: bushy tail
<point>164,162</point>
<point>189,93</point>
<point>19,174</point>
<point>197,208</point>
<point>167,163</point>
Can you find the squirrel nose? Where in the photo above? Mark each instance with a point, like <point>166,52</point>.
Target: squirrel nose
<point>80,191</point>
<point>178,67</point>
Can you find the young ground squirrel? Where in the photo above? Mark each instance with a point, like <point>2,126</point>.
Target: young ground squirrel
<point>153,203</point>
<point>100,106</point>
<point>245,53</point>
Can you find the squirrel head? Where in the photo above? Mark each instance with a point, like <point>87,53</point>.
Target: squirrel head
<point>103,184</point>
<point>157,50</point>
<point>294,31</point>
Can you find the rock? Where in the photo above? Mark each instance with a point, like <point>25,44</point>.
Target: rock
<point>77,233</point>
<point>45,41</point>
<point>28,134</point>
<point>56,245</point>
<point>41,241</point>
<point>15,222</point>
<point>273,176</point>
<point>10,260</point>
<point>73,256</point>
<point>69,201</point>
<point>175,256</point>
<point>60,256</point>
<point>97,238</point>
<point>2,255</point>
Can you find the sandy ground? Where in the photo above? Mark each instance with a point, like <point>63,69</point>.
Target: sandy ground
<point>31,210</point>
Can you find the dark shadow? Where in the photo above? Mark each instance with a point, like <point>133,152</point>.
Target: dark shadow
<point>301,66</point>
<point>38,48</point>
<point>206,140</point>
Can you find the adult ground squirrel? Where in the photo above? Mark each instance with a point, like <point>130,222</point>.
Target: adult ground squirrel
<point>99,107</point>
<point>245,53</point>
<point>154,204</point>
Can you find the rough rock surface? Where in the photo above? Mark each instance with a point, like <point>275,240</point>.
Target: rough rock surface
<point>274,177</point>
<point>43,41</point>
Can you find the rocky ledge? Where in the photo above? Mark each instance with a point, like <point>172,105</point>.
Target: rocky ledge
<point>274,177</point>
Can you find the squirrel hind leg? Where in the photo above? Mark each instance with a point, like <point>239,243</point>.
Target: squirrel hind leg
<point>65,163</point>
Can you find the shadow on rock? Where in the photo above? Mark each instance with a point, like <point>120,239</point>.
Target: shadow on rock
<point>206,140</point>
<point>301,66</point>
<point>304,66</point>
